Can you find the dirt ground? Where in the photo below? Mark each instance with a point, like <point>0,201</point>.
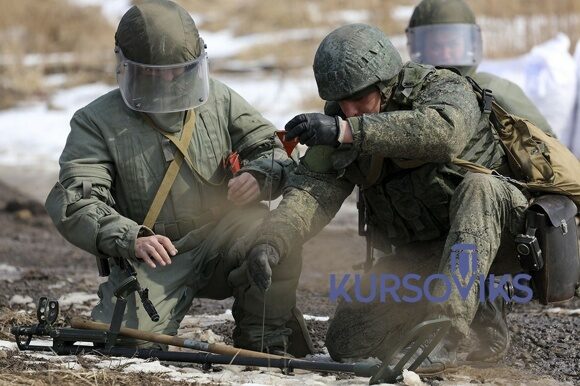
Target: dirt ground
<point>35,261</point>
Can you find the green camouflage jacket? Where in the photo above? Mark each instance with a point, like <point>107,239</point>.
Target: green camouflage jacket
<point>432,117</point>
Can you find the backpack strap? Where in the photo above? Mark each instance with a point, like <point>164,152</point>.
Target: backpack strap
<point>484,96</point>
<point>477,168</point>
<point>182,145</point>
<point>472,166</point>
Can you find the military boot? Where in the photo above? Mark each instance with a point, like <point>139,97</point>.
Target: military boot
<point>300,341</point>
<point>490,326</point>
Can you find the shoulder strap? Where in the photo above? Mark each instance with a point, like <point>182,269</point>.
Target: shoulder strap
<point>176,139</point>
<point>182,145</point>
<point>471,166</point>
<point>476,168</point>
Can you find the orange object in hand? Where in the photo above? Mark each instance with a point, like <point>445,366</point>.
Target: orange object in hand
<point>233,162</point>
<point>288,145</point>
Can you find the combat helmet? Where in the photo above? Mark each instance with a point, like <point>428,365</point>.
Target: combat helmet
<point>444,33</point>
<point>352,58</point>
<point>161,59</point>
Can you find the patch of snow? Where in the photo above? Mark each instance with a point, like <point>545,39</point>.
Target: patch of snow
<point>148,367</point>
<point>79,96</point>
<point>55,80</point>
<point>203,334</point>
<point>402,12</point>
<point>411,379</point>
<point>206,320</point>
<point>9,272</point>
<point>7,345</point>
<point>278,96</point>
<point>35,134</point>
<point>349,16</point>
<point>57,285</point>
<point>317,318</point>
<point>224,43</point>
<point>113,10</point>
<point>19,299</point>
<point>77,298</point>
<point>562,311</point>
<point>33,60</point>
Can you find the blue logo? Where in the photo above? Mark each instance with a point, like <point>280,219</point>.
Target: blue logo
<point>464,268</point>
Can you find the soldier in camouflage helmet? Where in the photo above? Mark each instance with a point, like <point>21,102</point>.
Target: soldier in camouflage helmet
<point>444,33</point>
<point>393,131</point>
<point>118,151</point>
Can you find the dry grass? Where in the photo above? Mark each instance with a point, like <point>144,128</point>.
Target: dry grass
<point>536,20</point>
<point>56,26</point>
<point>18,368</point>
<point>9,317</point>
<point>49,27</point>
<point>504,36</point>
<point>258,16</point>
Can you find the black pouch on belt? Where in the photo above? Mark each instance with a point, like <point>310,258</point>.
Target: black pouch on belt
<point>549,249</point>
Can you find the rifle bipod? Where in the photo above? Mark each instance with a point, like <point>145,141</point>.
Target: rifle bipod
<point>415,345</point>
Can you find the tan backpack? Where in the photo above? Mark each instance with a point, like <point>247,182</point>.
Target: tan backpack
<point>539,162</point>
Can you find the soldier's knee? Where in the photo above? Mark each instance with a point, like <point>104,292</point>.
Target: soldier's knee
<point>289,268</point>
<point>336,342</point>
<point>480,183</point>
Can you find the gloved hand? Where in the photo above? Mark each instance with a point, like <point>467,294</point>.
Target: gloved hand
<point>314,129</point>
<point>260,260</point>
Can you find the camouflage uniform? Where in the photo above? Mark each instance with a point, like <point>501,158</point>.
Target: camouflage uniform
<point>432,117</point>
<point>111,168</point>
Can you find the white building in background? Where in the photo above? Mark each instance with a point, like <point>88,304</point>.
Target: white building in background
<point>550,77</point>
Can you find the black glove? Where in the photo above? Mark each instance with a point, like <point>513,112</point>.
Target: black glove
<point>260,260</point>
<point>314,129</point>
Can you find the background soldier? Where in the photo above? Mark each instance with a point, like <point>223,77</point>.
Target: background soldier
<point>120,148</point>
<point>444,33</point>
<point>393,130</point>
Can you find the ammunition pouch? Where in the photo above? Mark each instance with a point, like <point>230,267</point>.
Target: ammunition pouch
<point>549,248</point>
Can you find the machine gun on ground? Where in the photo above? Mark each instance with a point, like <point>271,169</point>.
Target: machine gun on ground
<point>412,349</point>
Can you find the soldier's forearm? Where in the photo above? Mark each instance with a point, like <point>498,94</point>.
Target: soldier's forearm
<point>422,134</point>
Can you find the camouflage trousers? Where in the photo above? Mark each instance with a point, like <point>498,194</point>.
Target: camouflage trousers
<point>484,211</point>
<point>209,270</point>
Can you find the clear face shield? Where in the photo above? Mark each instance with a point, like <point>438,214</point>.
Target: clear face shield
<point>163,88</point>
<point>447,45</point>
